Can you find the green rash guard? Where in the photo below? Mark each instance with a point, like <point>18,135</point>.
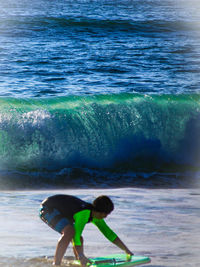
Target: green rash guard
<point>80,220</point>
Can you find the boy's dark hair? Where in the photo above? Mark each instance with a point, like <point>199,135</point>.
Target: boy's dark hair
<point>103,204</point>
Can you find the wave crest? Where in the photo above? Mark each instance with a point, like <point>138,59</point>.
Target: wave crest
<point>124,132</point>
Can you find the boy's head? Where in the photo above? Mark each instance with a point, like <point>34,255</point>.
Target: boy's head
<point>103,204</point>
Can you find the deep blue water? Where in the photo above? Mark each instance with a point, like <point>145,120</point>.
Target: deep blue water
<point>99,91</point>
<point>57,48</point>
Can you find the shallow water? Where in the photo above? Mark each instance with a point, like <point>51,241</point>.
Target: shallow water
<point>160,223</point>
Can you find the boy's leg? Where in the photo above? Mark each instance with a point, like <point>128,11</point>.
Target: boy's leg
<point>63,242</point>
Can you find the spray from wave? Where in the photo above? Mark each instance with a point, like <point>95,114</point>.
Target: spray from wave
<point>107,133</point>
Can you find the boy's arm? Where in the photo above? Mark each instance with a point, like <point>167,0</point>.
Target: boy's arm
<point>110,235</point>
<point>103,227</point>
<point>121,245</point>
<point>80,220</point>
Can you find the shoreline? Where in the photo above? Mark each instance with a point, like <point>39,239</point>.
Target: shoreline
<point>162,224</point>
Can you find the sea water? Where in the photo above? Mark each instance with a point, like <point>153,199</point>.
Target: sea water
<point>101,97</point>
<point>98,89</point>
<point>59,48</point>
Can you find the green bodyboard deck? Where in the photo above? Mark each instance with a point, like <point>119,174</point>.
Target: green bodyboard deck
<point>116,260</point>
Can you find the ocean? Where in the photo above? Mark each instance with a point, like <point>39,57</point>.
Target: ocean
<point>101,96</point>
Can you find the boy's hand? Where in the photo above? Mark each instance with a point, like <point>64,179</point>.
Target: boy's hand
<point>129,255</point>
<point>84,260</point>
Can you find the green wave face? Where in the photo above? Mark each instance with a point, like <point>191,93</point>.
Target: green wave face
<point>115,132</point>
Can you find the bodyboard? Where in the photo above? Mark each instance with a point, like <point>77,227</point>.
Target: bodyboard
<point>118,260</point>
